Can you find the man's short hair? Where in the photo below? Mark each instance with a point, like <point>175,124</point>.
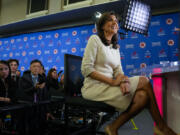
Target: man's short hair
<point>36,61</point>
<point>13,60</point>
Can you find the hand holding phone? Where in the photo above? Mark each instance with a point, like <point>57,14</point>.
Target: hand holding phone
<point>60,72</point>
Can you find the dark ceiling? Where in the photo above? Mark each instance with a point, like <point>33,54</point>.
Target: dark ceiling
<point>81,16</point>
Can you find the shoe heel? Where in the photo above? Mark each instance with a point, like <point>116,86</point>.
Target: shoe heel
<point>157,131</point>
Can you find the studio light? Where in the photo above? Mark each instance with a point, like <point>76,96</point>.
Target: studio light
<point>96,16</point>
<point>136,16</point>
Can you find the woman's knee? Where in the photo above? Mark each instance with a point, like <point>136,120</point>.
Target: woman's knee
<point>143,81</point>
<point>141,96</point>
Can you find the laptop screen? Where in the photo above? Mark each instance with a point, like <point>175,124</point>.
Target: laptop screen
<point>73,79</point>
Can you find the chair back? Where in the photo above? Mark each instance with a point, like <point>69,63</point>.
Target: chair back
<point>73,79</point>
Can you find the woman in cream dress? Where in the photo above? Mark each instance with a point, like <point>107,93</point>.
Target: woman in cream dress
<point>105,80</point>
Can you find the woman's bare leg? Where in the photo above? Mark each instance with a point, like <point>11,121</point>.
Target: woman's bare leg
<point>139,102</point>
<point>153,108</point>
<point>144,97</point>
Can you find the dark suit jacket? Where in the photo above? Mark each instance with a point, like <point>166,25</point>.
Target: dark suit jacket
<point>27,89</point>
<point>11,90</point>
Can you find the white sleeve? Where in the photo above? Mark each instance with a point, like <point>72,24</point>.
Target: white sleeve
<point>118,69</point>
<point>89,57</point>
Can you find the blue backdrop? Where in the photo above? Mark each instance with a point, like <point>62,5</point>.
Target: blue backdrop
<point>137,50</point>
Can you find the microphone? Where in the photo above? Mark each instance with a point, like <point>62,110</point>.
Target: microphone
<point>121,33</point>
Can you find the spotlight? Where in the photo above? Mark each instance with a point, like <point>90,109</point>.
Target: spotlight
<point>96,16</point>
<point>136,16</point>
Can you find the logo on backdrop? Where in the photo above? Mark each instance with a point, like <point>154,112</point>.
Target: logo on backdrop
<point>64,50</point>
<point>64,34</point>
<point>7,47</point>
<point>134,35</point>
<point>17,54</point>
<point>46,52</point>
<point>32,38</point>
<point>94,30</point>
<point>49,59</point>
<point>176,52</point>
<point>170,42</point>
<point>12,41</point>
<point>169,21</point>
<point>162,53</point>
<point>34,45</point>
<point>39,52</point>
<point>6,42</point>
<point>5,55</point>
<point>156,44</point>
<point>142,44</point>
<point>68,41</point>
<point>77,40</point>
<point>55,51</point>
<point>74,33</point>
<point>25,39</point>
<point>73,50</point>
<point>58,59</point>
<point>134,55</point>
<point>143,65</point>
<point>22,68</point>
<point>18,40</point>
<point>27,46</point>
<point>161,32</point>
<point>31,53</point>
<point>56,35</point>
<point>84,32</point>
<point>86,39</point>
<point>130,66</point>
<point>40,37</point>
<point>50,43</point>
<point>20,46</point>
<point>155,23</point>
<point>48,36</point>
<point>14,47</point>
<point>147,54</point>
<point>59,43</point>
<point>122,55</point>
<point>24,53</point>
<point>10,54</point>
<point>42,44</point>
<point>129,46</point>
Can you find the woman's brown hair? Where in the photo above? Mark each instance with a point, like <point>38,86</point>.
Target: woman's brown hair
<point>103,19</point>
<point>50,72</point>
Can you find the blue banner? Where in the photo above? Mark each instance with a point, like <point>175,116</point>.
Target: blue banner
<point>136,50</point>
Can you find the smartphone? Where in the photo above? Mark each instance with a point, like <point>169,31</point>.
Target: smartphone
<point>60,72</point>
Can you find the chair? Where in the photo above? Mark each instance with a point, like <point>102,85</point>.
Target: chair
<point>73,81</point>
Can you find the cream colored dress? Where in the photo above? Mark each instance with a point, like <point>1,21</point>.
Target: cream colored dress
<point>105,60</point>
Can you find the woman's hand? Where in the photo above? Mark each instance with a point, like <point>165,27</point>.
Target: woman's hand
<point>125,87</point>
<point>40,86</point>
<point>119,79</point>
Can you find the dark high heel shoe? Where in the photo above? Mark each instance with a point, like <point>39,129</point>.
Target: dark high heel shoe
<point>108,131</point>
<point>157,131</point>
